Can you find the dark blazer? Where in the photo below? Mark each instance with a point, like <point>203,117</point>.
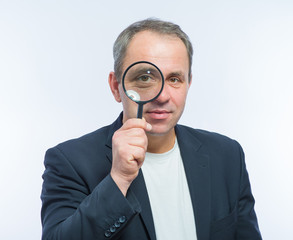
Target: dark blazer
<point>81,201</point>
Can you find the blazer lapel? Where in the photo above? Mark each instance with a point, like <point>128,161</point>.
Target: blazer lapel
<point>137,188</point>
<point>197,170</point>
<point>112,129</point>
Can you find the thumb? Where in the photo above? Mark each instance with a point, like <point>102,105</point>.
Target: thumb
<point>148,126</point>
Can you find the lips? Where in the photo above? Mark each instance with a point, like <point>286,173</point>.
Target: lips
<point>158,114</point>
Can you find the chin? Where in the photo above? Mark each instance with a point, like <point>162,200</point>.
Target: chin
<point>157,134</point>
<point>160,130</point>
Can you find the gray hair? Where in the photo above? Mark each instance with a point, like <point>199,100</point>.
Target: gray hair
<point>150,24</point>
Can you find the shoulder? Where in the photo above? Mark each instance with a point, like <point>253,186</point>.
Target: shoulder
<point>85,149</point>
<point>213,143</point>
<point>89,140</point>
<point>226,157</point>
<point>205,136</point>
<point>92,142</point>
<point>81,159</point>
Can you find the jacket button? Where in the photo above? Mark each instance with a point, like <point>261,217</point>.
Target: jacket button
<point>122,219</point>
<point>117,224</point>
<point>113,229</point>
<point>107,233</point>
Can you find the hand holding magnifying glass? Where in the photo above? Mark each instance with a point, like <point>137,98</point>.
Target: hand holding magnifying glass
<point>142,82</point>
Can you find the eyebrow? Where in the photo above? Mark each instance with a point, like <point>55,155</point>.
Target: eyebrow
<point>145,70</point>
<point>176,74</point>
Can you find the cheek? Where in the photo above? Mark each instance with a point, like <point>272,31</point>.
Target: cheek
<point>129,107</point>
<point>126,102</point>
<point>179,97</point>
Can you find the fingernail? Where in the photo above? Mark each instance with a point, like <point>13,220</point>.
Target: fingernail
<point>149,127</point>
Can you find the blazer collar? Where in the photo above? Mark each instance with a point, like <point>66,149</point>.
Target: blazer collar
<point>113,128</point>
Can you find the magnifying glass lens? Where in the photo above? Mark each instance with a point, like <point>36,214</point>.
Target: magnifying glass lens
<point>143,82</point>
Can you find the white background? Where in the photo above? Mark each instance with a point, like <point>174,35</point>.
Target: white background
<point>55,57</point>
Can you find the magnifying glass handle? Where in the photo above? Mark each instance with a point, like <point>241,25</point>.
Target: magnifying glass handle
<point>139,110</point>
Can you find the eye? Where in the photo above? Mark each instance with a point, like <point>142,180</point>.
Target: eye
<point>174,81</point>
<point>144,78</point>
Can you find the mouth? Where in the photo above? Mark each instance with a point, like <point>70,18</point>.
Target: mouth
<point>158,114</point>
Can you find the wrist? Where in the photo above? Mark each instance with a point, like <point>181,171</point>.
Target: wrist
<point>121,182</point>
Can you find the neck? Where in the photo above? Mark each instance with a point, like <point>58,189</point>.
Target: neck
<point>161,143</point>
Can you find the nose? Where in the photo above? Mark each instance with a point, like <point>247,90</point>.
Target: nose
<point>164,96</point>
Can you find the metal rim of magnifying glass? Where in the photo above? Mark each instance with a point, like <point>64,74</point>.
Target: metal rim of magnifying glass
<point>124,74</point>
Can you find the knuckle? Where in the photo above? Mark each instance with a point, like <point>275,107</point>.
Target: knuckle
<point>140,131</point>
<point>135,122</point>
<point>116,135</point>
<point>142,152</point>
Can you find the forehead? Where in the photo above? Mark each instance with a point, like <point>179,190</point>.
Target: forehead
<point>161,49</point>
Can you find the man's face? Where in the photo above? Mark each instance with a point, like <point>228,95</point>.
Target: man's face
<point>170,55</point>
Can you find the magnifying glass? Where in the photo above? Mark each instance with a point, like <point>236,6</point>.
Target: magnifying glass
<point>142,82</point>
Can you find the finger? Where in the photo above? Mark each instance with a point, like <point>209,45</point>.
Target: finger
<point>138,142</point>
<point>131,141</point>
<point>138,155</point>
<point>134,136</point>
<point>134,132</point>
<point>148,125</point>
<point>125,147</point>
<point>137,123</point>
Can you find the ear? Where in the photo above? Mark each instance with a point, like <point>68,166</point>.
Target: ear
<point>113,83</point>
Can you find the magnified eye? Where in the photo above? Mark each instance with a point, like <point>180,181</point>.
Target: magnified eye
<point>142,82</point>
<point>144,78</point>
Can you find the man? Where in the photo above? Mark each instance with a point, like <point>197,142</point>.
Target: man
<point>149,178</point>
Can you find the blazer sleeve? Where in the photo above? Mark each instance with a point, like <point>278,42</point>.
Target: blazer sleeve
<point>71,211</point>
<point>247,226</point>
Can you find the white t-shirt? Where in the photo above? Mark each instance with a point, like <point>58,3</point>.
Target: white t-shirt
<point>169,195</point>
